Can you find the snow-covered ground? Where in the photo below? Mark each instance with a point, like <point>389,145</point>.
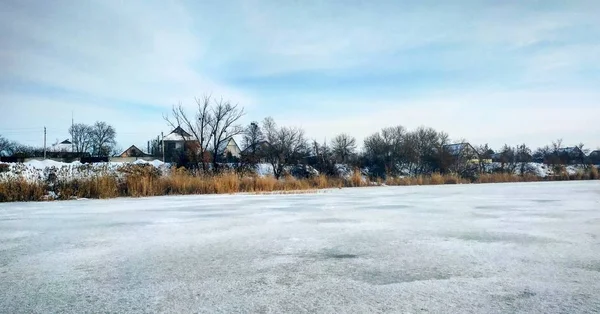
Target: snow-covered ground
<point>538,169</point>
<point>40,169</point>
<point>499,248</point>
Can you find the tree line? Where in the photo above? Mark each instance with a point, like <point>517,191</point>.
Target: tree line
<point>392,151</point>
<point>98,139</point>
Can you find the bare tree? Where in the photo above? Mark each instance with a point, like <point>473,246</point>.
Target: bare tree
<point>377,154</point>
<point>223,127</point>
<point>523,158</point>
<point>251,147</point>
<point>508,159</point>
<point>103,138</point>
<point>6,146</point>
<point>198,127</point>
<point>426,142</point>
<point>213,125</point>
<point>323,158</point>
<point>582,154</point>
<point>557,145</point>
<point>287,146</point>
<point>485,154</point>
<point>253,135</point>
<point>343,146</point>
<point>82,135</point>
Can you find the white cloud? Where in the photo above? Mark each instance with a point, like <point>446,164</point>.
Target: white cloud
<point>112,57</point>
<point>535,118</point>
<point>118,50</point>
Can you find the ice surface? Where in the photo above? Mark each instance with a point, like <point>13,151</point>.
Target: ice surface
<point>489,248</point>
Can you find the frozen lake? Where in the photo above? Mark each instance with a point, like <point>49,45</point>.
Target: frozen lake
<point>498,248</point>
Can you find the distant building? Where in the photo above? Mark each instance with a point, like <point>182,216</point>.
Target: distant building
<point>177,142</point>
<point>63,147</point>
<point>571,155</point>
<point>229,149</point>
<point>594,157</point>
<point>461,150</point>
<point>133,151</point>
<point>461,158</point>
<point>256,152</point>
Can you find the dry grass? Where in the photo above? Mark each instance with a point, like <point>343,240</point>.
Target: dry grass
<point>140,180</point>
<point>506,177</point>
<point>594,173</point>
<point>18,190</point>
<point>434,179</point>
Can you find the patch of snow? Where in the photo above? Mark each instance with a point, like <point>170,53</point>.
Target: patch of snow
<point>264,170</point>
<point>42,170</point>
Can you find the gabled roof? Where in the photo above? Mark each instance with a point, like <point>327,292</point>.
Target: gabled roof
<point>178,134</point>
<point>258,145</point>
<point>455,149</point>
<point>136,149</point>
<point>64,146</point>
<point>223,145</point>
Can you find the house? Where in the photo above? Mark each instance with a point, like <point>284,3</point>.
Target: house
<point>255,148</point>
<point>63,147</point>
<point>570,155</point>
<point>229,149</point>
<point>594,157</point>
<point>133,151</point>
<point>176,142</point>
<point>461,150</point>
<point>256,152</point>
<point>459,158</point>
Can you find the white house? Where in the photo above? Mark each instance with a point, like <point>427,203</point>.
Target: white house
<point>63,147</point>
<point>229,147</point>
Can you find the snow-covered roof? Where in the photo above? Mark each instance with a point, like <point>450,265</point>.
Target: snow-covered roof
<point>595,153</point>
<point>64,146</point>
<point>569,150</point>
<point>178,134</point>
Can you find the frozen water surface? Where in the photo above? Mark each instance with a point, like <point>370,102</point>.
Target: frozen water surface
<point>498,248</point>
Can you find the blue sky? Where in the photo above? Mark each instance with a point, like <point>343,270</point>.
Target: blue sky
<point>486,71</point>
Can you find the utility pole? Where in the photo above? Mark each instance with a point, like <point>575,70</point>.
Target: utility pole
<point>72,130</point>
<point>163,145</point>
<point>44,142</point>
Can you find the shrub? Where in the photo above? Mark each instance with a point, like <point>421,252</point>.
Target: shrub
<point>4,168</point>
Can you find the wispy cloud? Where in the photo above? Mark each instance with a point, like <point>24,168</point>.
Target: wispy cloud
<point>331,66</point>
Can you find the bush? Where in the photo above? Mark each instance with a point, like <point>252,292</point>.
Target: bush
<point>593,173</point>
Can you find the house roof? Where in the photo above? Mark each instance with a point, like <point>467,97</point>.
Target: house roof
<point>595,153</point>
<point>457,148</point>
<point>64,146</point>
<point>178,134</point>
<point>258,144</point>
<point>223,145</point>
<point>570,150</point>
<point>134,148</point>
